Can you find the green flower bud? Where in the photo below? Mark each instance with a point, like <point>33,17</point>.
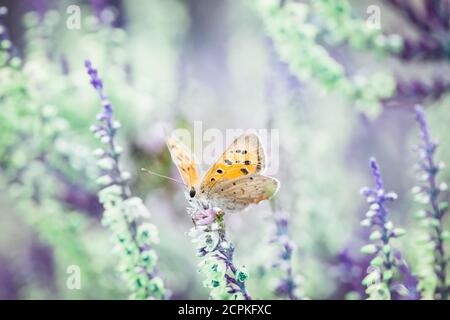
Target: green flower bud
<point>443,206</point>
<point>387,275</point>
<point>369,249</point>
<point>242,275</point>
<point>376,235</point>
<point>377,261</point>
<point>399,232</point>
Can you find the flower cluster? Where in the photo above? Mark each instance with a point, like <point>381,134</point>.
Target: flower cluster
<point>387,260</point>
<point>124,214</point>
<point>434,18</point>
<point>297,29</point>
<point>223,278</point>
<point>428,191</point>
<point>417,90</point>
<point>341,24</point>
<point>295,39</point>
<point>289,284</point>
<point>30,131</point>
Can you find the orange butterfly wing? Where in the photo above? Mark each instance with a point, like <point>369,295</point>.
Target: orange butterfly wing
<point>184,162</point>
<point>245,156</point>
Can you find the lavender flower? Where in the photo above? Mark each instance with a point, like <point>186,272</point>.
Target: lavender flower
<point>125,215</point>
<point>349,272</point>
<point>416,90</point>
<point>223,278</point>
<point>433,277</point>
<point>289,285</point>
<point>387,260</point>
<point>429,45</point>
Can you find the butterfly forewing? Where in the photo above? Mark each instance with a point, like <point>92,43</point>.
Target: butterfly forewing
<point>184,161</point>
<point>245,156</point>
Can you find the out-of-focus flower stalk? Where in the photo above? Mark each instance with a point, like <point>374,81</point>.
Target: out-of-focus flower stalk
<point>340,22</point>
<point>223,278</point>
<point>124,214</point>
<point>292,32</point>
<point>289,285</point>
<point>433,282</point>
<point>30,131</point>
<point>380,280</point>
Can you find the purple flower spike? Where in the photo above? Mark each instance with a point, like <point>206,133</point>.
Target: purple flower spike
<point>125,217</point>
<point>380,280</point>
<point>420,117</point>
<point>289,283</point>
<point>428,192</point>
<point>95,80</point>
<point>376,174</point>
<point>106,129</point>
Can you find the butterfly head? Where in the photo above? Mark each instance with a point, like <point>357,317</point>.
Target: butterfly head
<point>192,192</point>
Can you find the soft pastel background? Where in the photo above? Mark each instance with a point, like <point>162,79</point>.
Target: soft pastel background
<point>175,62</point>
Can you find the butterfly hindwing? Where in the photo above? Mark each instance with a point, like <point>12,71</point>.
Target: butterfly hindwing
<point>237,194</point>
<point>184,161</point>
<point>245,156</point>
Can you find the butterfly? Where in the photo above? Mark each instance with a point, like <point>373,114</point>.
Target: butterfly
<point>234,182</point>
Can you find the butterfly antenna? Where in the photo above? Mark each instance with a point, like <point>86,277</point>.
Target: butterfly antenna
<point>161,176</point>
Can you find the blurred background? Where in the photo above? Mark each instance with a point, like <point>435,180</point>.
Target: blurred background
<point>174,62</point>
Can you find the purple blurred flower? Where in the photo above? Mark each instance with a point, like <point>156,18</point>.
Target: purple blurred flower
<point>40,6</point>
<point>98,6</point>
<point>348,270</point>
<point>289,284</point>
<point>8,49</point>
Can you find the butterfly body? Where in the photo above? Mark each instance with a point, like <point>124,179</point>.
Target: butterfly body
<point>234,182</point>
